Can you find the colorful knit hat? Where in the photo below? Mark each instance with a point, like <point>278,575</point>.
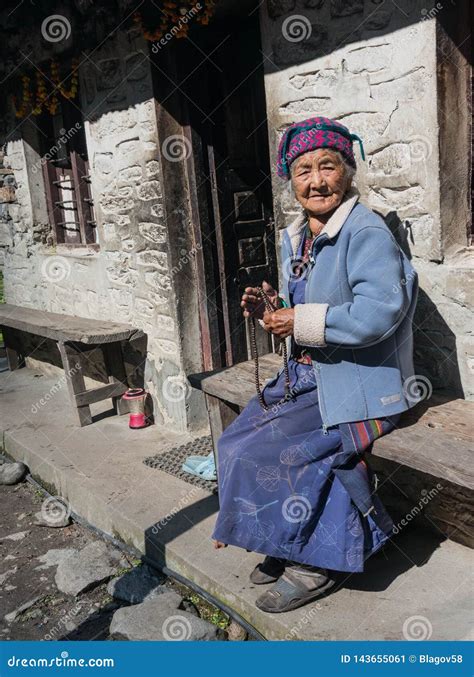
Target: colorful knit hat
<point>311,134</point>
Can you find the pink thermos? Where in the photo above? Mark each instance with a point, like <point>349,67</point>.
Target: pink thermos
<point>136,401</point>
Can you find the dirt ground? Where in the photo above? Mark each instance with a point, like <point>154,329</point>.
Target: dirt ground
<point>23,578</point>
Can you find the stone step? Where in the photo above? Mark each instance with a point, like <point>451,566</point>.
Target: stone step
<point>419,581</point>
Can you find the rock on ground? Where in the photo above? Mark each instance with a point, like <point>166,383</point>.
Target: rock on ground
<point>159,618</point>
<point>17,536</point>
<point>7,574</point>
<point>41,520</point>
<point>53,557</point>
<point>87,568</point>
<point>13,615</point>
<point>12,473</point>
<point>236,633</point>
<point>135,585</point>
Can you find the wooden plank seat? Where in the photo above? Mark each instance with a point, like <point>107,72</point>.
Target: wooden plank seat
<point>73,335</point>
<point>435,437</point>
<point>424,466</point>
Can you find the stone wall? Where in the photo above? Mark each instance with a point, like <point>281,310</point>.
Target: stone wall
<point>129,278</point>
<point>7,198</point>
<point>374,68</point>
<point>357,63</point>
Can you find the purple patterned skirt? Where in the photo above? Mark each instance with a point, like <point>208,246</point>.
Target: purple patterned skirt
<point>278,491</point>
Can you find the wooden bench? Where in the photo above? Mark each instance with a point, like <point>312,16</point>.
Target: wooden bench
<point>73,335</point>
<point>434,438</point>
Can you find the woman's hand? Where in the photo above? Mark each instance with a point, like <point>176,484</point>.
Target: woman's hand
<point>252,303</point>
<point>279,322</point>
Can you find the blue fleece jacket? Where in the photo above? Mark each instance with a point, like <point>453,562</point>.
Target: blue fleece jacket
<point>357,317</point>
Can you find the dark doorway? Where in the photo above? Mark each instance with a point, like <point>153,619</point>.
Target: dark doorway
<point>220,71</point>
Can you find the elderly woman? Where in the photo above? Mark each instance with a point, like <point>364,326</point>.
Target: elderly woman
<point>293,483</point>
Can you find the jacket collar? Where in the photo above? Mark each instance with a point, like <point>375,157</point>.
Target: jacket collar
<point>334,224</point>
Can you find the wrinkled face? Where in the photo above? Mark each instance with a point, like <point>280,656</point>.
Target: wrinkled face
<point>319,180</point>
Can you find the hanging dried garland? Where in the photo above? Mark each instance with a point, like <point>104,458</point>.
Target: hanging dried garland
<point>72,91</point>
<point>36,102</point>
<point>176,18</point>
<point>25,106</point>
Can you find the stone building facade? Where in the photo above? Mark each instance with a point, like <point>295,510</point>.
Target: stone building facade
<point>384,74</point>
<point>390,74</point>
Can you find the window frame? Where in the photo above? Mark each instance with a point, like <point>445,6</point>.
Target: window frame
<point>75,167</point>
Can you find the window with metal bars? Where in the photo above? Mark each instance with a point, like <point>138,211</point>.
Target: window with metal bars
<point>66,175</point>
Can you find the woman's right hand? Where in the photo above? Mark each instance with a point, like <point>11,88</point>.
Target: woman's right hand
<point>252,303</point>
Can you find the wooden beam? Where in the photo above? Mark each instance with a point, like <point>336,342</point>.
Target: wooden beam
<point>434,437</point>
<point>60,327</point>
<point>75,381</point>
<point>111,390</point>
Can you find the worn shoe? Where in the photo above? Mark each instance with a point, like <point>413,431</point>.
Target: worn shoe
<point>268,571</point>
<point>297,586</point>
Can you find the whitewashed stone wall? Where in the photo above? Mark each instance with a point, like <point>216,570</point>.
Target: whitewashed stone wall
<point>374,69</point>
<point>130,278</point>
<point>356,64</point>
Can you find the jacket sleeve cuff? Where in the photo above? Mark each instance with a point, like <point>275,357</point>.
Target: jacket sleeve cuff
<point>309,324</point>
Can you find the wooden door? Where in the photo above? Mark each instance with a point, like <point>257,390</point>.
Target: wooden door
<point>222,80</point>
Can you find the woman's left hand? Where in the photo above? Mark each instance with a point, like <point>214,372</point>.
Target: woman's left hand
<point>279,322</point>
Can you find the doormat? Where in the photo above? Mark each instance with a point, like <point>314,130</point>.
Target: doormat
<point>171,461</point>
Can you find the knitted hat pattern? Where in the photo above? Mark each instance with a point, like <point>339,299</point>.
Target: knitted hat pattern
<point>311,134</point>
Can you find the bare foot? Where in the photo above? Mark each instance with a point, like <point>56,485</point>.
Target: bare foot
<point>219,544</point>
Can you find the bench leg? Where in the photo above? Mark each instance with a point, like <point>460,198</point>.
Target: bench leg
<point>14,359</point>
<point>113,358</point>
<point>72,365</point>
<point>221,414</point>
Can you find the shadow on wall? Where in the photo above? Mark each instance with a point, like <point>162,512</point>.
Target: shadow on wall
<point>435,353</point>
<point>324,27</point>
